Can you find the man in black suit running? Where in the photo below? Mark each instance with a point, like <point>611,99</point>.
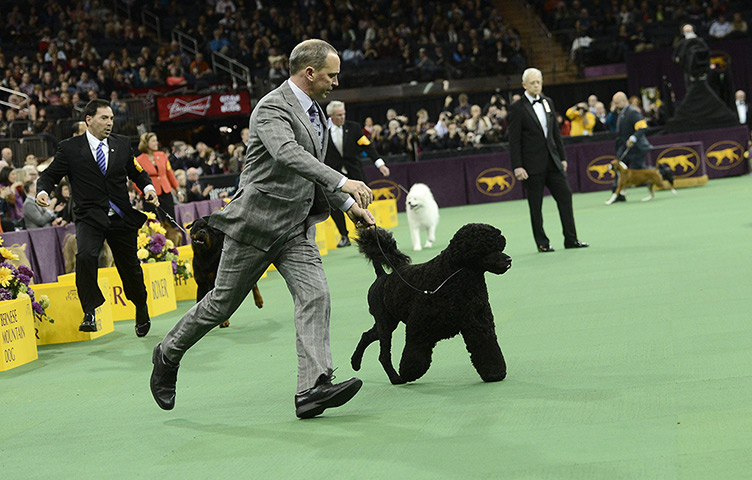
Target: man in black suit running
<point>346,142</point>
<point>539,160</point>
<point>97,165</point>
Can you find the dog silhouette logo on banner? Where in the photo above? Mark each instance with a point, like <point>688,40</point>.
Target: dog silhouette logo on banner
<point>599,170</point>
<point>385,190</point>
<point>684,161</point>
<point>495,182</point>
<point>724,155</point>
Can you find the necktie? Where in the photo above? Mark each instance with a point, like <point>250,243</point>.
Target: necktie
<point>102,163</point>
<point>313,115</point>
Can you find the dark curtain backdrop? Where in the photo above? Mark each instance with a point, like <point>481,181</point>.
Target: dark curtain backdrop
<point>646,69</point>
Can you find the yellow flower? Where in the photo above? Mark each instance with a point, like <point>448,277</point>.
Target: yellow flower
<point>1,240</point>
<point>150,215</point>
<point>5,276</point>
<point>142,254</point>
<point>158,228</point>
<point>23,295</point>
<point>8,254</point>
<point>142,240</point>
<point>169,244</point>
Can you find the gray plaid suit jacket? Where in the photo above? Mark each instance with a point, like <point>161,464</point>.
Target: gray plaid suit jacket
<point>285,181</point>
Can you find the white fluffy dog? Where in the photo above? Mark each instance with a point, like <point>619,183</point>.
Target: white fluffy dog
<point>422,214</point>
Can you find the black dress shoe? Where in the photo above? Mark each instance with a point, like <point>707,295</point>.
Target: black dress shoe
<point>545,248</point>
<point>164,376</point>
<point>343,242</point>
<point>325,394</point>
<point>577,244</point>
<point>89,324</point>
<point>143,323</point>
<point>620,198</point>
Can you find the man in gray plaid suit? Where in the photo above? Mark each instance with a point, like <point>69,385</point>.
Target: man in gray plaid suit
<point>285,189</point>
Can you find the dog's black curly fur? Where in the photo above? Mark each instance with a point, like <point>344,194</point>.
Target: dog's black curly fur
<point>459,306</point>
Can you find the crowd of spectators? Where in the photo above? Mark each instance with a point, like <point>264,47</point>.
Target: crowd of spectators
<point>601,32</point>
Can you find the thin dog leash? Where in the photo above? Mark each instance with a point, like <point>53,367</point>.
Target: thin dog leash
<point>172,220</point>
<point>426,292</point>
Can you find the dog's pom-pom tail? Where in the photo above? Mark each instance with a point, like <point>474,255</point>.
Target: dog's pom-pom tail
<point>666,173</point>
<point>380,248</point>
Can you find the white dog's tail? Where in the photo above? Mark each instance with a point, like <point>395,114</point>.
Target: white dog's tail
<point>380,248</point>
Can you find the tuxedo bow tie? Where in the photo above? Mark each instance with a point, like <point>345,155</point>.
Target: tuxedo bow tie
<point>538,100</point>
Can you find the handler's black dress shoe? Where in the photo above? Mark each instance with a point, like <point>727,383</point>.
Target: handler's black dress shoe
<point>89,324</point>
<point>577,244</point>
<point>143,323</point>
<point>343,242</point>
<point>325,394</point>
<point>545,248</point>
<point>164,376</point>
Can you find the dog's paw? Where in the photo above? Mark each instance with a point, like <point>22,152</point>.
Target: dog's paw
<point>397,380</point>
<point>428,245</point>
<point>417,248</point>
<point>355,363</point>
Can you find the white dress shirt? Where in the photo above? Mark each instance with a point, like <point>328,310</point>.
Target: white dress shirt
<point>540,112</point>
<point>741,109</point>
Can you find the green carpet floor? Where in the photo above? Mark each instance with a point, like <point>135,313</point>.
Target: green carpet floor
<point>630,359</point>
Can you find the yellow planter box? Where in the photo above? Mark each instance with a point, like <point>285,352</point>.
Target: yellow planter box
<point>384,211</point>
<point>330,232</point>
<point>160,290</point>
<point>17,340</point>
<point>64,314</point>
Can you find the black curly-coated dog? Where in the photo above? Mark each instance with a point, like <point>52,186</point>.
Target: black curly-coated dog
<point>206,243</point>
<point>436,300</point>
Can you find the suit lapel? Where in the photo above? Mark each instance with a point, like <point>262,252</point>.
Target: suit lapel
<point>86,154</point>
<point>302,116</point>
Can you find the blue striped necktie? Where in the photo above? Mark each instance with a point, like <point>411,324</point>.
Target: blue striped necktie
<point>313,115</point>
<point>102,162</point>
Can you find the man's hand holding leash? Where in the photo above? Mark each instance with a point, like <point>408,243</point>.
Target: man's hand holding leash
<point>359,191</point>
<point>151,197</point>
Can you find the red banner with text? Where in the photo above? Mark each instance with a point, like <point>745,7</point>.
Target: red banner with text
<point>190,107</point>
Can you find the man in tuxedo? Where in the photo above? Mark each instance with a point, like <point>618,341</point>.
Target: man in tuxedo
<point>742,109</point>
<point>346,142</point>
<point>283,193</point>
<point>539,160</point>
<point>98,165</point>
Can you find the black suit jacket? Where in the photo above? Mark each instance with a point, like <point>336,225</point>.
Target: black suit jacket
<point>529,148</point>
<point>92,191</point>
<point>353,142</point>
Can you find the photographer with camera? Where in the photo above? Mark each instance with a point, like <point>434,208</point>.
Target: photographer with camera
<point>582,121</point>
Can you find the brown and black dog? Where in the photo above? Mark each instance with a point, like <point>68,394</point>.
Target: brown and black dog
<point>632,178</point>
<point>207,250</point>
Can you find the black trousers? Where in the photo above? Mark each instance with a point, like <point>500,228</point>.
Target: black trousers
<point>557,184</point>
<point>122,241</point>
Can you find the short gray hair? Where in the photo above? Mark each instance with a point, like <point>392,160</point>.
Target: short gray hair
<point>313,52</point>
<point>530,71</point>
<point>332,105</point>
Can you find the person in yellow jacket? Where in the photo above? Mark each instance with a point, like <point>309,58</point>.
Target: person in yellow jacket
<point>581,119</point>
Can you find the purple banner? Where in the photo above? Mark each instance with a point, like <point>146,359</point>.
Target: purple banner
<point>445,178</point>
<point>490,178</point>
<point>386,188</point>
<point>686,159</point>
<point>593,162</point>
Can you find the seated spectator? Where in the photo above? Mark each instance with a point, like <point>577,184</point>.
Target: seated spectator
<point>34,215</point>
<point>720,28</point>
<point>194,191</point>
<point>352,54</point>
<point>13,193</point>
<point>219,43</point>
<point>455,137</point>
<point>176,77</point>
<point>738,26</point>
<point>478,123</point>
<point>601,118</point>
<point>462,111</point>
<point>582,121</point>
<point>63,206</point>
<point>277,71</point>
<point>180,193</point>
<point>85,84</point>
<point>396,139</point>
<point>565,126</point>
